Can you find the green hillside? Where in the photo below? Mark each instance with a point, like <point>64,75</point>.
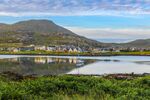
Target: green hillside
<point>41,32</point>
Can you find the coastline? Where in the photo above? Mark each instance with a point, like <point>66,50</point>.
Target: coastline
<point>100,55</point>
<point>17,76</point>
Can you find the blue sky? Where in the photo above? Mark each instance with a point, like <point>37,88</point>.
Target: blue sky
<point>102,20</point>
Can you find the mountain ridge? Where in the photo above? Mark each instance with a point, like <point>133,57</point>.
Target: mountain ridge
<point>42,32</point>
<point>46,32</point>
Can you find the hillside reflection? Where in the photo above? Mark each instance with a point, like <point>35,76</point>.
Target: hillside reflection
<point>41,65</point>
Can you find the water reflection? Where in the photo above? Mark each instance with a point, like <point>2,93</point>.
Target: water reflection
<point>45,60</point>
<point>112,67</point>
<point>53,65</point>
<point>143,62</point>
<point>41,65</point>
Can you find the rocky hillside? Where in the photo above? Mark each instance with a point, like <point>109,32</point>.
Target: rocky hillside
<point>42,32</point>
<point>46,32</point>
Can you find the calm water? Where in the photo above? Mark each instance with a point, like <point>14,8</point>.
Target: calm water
<point>54,65</point>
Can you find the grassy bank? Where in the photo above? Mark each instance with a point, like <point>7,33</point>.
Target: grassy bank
<point>44,53</point>
<point>131,53</point>
<point>135,53</point>
<point>69,87</point>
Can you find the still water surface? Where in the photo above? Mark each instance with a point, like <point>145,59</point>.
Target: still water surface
<point>56,65</point>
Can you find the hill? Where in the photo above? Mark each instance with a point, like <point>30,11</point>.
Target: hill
<point>42,32</point>
<point>140,43</point>
<point>46,32</point>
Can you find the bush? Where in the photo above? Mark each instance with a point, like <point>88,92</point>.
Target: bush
<point>75,87</point>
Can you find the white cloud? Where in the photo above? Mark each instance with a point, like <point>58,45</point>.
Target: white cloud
<point>74,7</point>
<point>109,33</point>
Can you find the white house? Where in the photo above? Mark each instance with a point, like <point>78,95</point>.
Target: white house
<point>51,48</point>
<point>40,47</point>
<point>70,50</point>
<point>16,50</point>
<point>75,50</point>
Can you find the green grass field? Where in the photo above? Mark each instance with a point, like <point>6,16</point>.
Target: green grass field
<point>135,53</point>
<point>69,87</point>
<point>43,53</point>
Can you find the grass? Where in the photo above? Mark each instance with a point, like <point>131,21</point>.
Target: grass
<point>75,53</point>
<point>69,87</point>
<point>5,45</point>
<point>40,52</point>
<point>132,53</point>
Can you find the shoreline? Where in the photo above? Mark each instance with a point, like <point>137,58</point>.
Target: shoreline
<point>103,55</point>
<point>17,76</point>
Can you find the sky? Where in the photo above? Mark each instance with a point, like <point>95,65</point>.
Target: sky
<point>101,20</point>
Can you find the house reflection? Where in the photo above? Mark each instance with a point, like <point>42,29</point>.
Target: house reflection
<point>13,59</point>
<point>40,60</point>
<point>41,65</point>
<point>73,60</point>
<point>48,60</point>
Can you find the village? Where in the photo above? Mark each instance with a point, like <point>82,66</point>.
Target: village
<point>61,48</point>
<point>70,48</point>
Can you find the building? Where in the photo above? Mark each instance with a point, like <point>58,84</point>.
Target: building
<point>96,50</point>
<point>28,48</point>
<point>40,48</point>
<point>74,49</point>
<point>16,50</point>
<point>51,48</point>
<point>70,50</point>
